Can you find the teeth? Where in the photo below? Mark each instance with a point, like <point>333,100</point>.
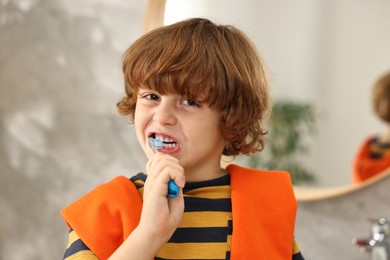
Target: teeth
<point>167,142</point>
<point>165,139</point>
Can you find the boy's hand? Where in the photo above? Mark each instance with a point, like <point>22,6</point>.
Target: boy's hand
<point>161,215</point>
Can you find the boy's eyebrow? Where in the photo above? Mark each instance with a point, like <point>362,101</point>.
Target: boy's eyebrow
<point>143,90</point>
<point>199,97</point>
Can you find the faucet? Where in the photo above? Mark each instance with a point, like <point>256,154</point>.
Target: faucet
<point>378,244</point>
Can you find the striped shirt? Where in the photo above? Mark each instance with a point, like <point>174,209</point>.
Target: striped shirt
<point>378,149</point>
<point>204,232</point>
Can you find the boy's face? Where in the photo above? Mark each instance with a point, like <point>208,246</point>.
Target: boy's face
<point>191,131</point>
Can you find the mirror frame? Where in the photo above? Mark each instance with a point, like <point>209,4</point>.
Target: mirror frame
<point>307,194</point>
<point>154,14</point>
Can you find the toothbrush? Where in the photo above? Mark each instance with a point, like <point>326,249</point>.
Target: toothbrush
<point>155,144</point>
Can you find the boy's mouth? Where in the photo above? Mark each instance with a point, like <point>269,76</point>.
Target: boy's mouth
<point>168,143</point>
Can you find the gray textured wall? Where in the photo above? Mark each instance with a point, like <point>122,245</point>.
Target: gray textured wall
<point>60,135</point>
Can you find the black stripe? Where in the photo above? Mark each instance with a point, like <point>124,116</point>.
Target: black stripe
<point>297,256</point>
<point>139,176</point>
<point>75,247</point>
<point>221,181</point>
<point>199,235</point>
<point>376,155</point>
<point>230,227</point>
<point>201,204</point>
<point>377,142</point>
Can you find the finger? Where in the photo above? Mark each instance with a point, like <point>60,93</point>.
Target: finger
<point>164,172</point>
<point>161,182</point>
<point>180,179</point>
<point>160,157</point>
<point>172,173</point>
<point>160,161</point>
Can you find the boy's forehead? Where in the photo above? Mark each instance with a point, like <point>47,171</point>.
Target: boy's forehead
<point>198,93</point>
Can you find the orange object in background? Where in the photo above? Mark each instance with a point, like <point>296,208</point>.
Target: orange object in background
<point>366,165</point>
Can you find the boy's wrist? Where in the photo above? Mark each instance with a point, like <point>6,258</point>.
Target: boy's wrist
<point>150,241</point>
<point>139,245</point>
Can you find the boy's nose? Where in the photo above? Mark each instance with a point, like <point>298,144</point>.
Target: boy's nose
<point>165,114</point>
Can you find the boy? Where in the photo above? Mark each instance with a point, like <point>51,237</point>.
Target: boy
<point>373,156</point>
<point>201,89</point>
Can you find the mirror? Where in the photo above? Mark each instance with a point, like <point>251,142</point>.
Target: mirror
<point>328,53</point>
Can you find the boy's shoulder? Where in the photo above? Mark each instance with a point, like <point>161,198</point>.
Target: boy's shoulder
<point>111,193</point>
<point>111,209</point>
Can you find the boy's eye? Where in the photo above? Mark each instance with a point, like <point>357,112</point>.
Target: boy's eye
<point>189,102</point>
<point>151,96</point>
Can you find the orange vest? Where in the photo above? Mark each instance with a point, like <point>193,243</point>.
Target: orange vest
<point>365,167</point>
<point>263,208</point>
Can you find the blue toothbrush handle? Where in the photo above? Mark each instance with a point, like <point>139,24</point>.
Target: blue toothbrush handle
<point>173,189</point>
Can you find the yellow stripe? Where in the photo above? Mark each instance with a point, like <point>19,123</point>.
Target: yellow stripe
<point>214,192</point>
<point>379,149</point>
<point>205,219</point>
<point>193,251</point>
<point>376,149</point>
<point>141,191</point>
<point>72,237</point>
<point>295,247</point>
<point>229,238</point>
<point>139,182</point>
<point>229,242</point>
<point>85,255</point>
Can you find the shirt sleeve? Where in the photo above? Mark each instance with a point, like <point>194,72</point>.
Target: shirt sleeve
<point>77,250</point>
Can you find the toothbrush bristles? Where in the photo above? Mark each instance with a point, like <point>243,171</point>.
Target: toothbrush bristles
<point>155,144</point>
<point>158,142</point>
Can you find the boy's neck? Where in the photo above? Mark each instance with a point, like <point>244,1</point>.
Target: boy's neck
<point>204,174</point>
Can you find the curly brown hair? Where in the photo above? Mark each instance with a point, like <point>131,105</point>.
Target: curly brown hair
<point>381,97</point>
<point>194,58</point>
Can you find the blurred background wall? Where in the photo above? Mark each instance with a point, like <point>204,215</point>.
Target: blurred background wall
<point>326,52</point>
<point>60,79</point>
<point>60,134</point>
